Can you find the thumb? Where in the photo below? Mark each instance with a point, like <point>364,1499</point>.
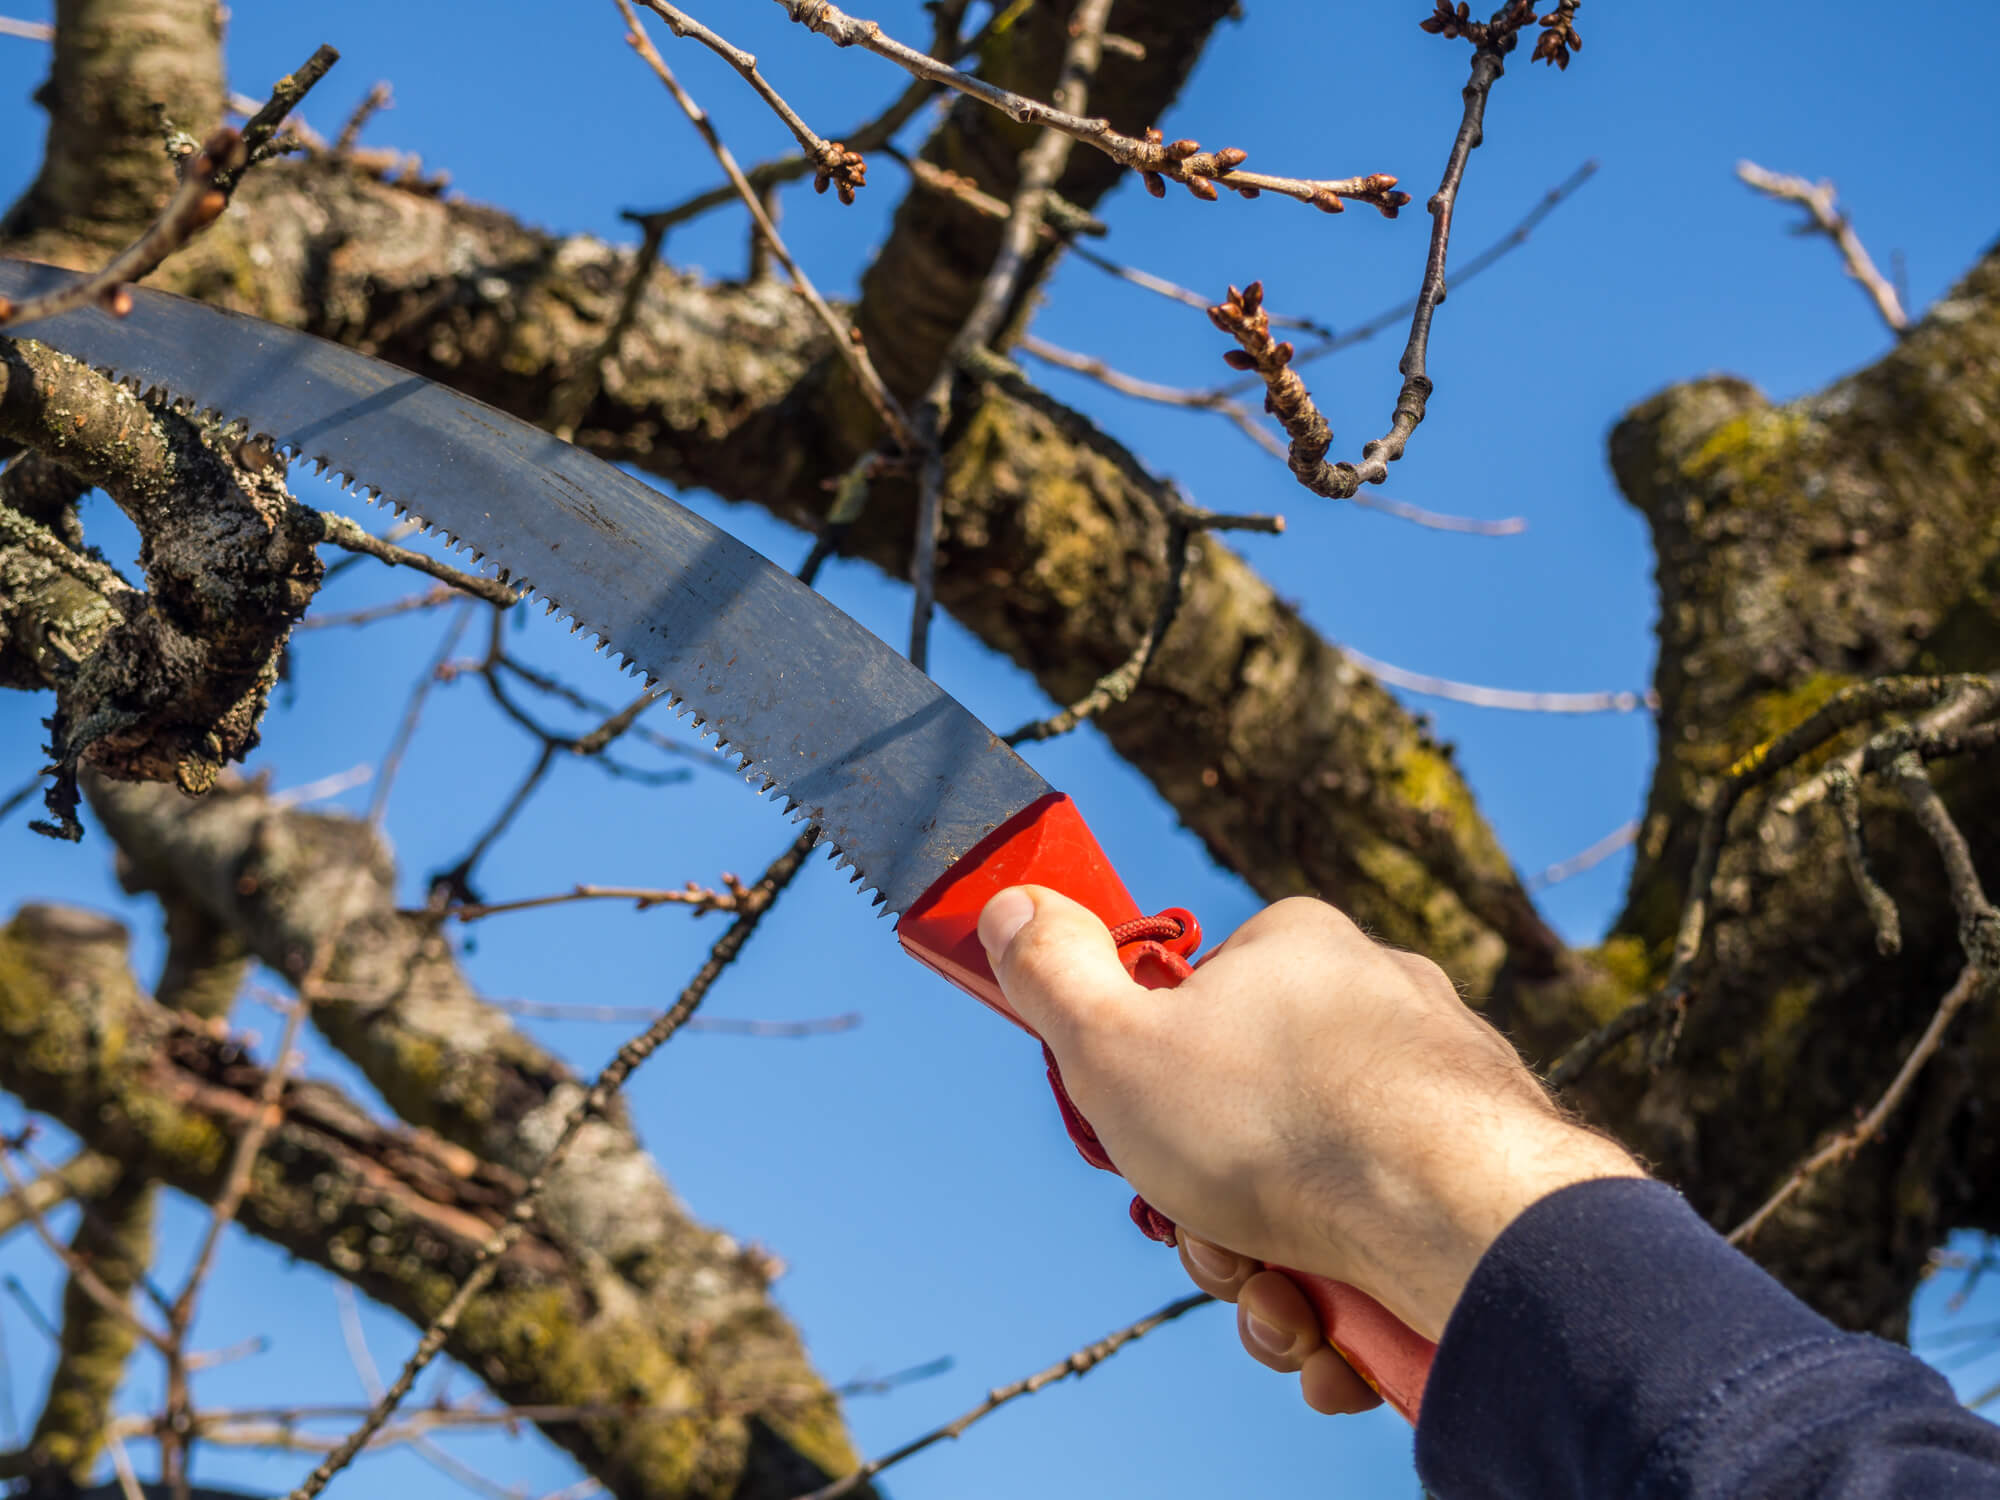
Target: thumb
<point>1054,959</point>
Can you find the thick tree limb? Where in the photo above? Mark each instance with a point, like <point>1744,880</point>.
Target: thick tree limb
<point>399,1214</point>
<point>169,685</point>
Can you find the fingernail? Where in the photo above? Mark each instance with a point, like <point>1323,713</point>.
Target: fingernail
<point>1270,1338</point>
<point>1213,1259</point>
<point>1005,915</point>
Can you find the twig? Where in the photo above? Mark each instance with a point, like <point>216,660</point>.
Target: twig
<point>1390,317</point>
<point>392,760</point>
<point>260,131</point>
<point>1978,922</point>
<point>121,1463</point>
<point>1041,165</point>
<point>1149,390</point>
<point>1242,315</point>
<point>454,885</point>
<point>378,98</point>
<point>349,535</point>
<point>1970,984</point>
<point>1844,796</point>
<point>355,1338</point>
<point>832,163</point>
<point>542,1010</point>
<point>1224,405</point>
<point>1186,296</point>
<point>174,1436</point>
<point>1847,708</point>
<point>1622,701</point>
<point>1585,859</point>
<point>1082,1362</point>
<point>845,336</point>
<point>21,793</point>
<point>82,1176</point>
<point>1822,208</point>
<point>27,31</point>
<point>572,398</point>
<point>1956,711</point>
<point>79,1269</point>
<point>1117,685</point>
<point>665,744</point>
<point>877,134</point>
<point>700,897</point>
<point>487,1262</point>
<point>1155,159</point>
<point>196,204</point>
<point>1061,222</point>
<point>35,1316</point>
<point>408,604</point>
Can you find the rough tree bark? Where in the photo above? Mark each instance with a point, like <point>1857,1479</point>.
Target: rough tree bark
<point>1800,547</point>
<point>694,1385</point>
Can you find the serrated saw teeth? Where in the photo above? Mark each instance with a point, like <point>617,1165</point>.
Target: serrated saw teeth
<point>891,811</point>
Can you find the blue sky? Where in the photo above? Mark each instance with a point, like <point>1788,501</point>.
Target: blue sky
<point>911,1172</point>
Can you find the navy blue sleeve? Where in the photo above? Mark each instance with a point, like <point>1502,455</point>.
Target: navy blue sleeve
<point>1611,1346</point>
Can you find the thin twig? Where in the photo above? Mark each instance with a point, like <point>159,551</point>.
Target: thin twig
<point>196,204</point>
<point>487,1261</point>
<point>260,131</point>
<point>408,604</point>
<point>1082,1362</point>
<point>1844,796</point>
<point>877,134</point>
<point>356,1339</point>
<point>21,793</point>
<point>1970,984</point>
<point>1621,701</point>
<point>1061,222</point>
<point>1822,208</point>
<point>84,1175</point>
<point>1187,296</point>
<point>1155,159</point>
<point>832,163</point>
<point>1224,405</point>
<point>79,1269</point>
<point>846,338</point>
<point>392,760</point>
<point>1978,922</point>
<point>1846,709</point>
<point>1242,316</point>
<point>350,535</point>
<point>1619,838</point>
<point>543,1010</point>
<point>1041,165</point>
<point>700,897</point>
<point>377,99</point>
<point>1361,332</point>
<point>1956,711</point>
<point>572,398</point>
<point>174,1435</point>
<point>121,1463</point>
<point>1117,685</point>
<point>27,31</point>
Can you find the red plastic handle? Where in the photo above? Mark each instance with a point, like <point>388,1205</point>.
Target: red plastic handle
<point>1048,844</point>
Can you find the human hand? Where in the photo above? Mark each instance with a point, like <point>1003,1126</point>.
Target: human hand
<point>1308,1098</point>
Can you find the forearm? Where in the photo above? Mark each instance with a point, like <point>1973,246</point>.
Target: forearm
<point>1611,1344</point>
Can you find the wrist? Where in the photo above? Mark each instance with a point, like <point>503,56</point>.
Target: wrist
<point>1445,1216</point>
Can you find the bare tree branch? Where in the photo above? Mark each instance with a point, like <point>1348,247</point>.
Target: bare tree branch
<point>1823,213</point>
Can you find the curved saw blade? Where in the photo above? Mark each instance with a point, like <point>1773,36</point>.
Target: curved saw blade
<point>896,774</point>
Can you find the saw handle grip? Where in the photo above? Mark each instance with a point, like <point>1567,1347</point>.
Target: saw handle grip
<point>1048,844</point>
